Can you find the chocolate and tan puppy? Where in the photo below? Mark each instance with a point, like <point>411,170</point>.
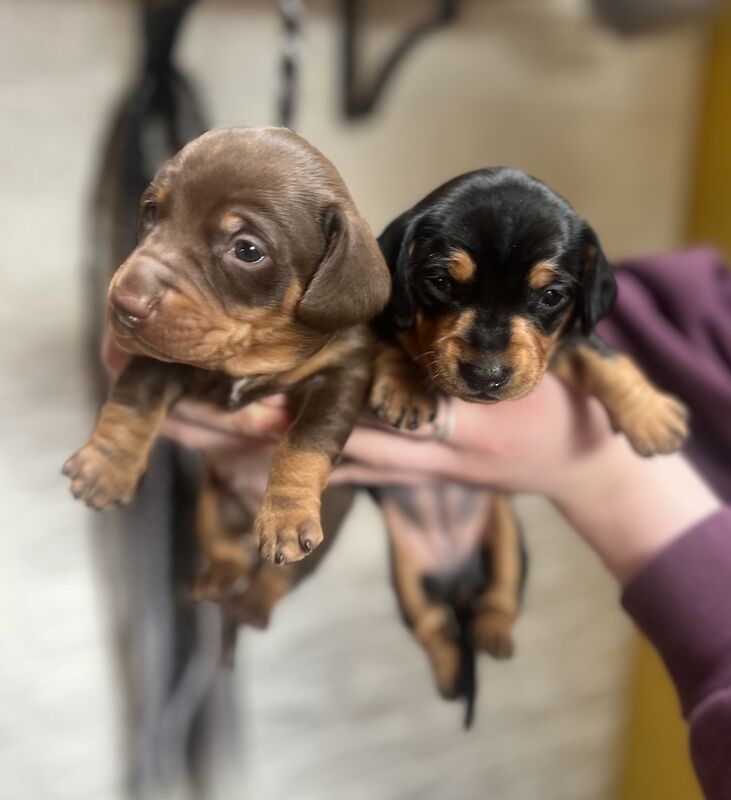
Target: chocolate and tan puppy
<point>254,274</point>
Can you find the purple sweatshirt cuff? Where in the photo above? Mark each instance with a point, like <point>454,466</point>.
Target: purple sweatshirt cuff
<point>681,600</point>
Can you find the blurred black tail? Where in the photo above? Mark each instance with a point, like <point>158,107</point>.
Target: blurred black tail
<point>468,667</point>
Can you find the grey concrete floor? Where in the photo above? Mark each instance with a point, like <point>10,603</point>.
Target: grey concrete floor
<point>337,702</point>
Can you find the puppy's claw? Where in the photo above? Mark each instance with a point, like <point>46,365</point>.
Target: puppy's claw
<point>408,406</point>
<point>288,535</point>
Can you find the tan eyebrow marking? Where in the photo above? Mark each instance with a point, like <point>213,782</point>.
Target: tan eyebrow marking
<point>155,193</point>
<point>461,266</point>
<point>542,274</point>
<point>230,222</point>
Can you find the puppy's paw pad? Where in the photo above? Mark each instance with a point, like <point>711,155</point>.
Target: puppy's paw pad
<point>100,479</point>
<point>493,633</point>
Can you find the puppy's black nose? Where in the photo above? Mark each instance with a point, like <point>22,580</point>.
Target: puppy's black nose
<point>486,376</point>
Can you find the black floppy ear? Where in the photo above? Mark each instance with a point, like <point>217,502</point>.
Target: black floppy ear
<point>395,243</point>
<point>598,285</point>
<point>351,283</point>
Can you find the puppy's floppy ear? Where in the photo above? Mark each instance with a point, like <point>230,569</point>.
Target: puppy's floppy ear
<point>598,285</point>
<point>351,283</point>
<point>395,243</point>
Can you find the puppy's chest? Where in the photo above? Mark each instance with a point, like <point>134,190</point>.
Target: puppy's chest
<point>232,392</point>
<point>227,392</point>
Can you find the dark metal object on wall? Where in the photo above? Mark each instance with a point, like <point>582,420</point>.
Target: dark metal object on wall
<point>637,16</point>
<point>359,98</point>
<point>157,115</point>
<point>290,15</point>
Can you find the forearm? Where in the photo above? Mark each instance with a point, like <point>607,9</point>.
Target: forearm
<point>629,508</point>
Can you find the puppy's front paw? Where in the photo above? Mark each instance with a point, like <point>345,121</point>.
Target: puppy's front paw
<point>401,403</point>
<point>287,529</point>
<point>101,477</point>
<point>653,422</point>
<point>492,632</point>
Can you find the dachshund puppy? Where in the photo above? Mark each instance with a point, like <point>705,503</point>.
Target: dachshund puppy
<point>254,274</point>
<point>496,279</point>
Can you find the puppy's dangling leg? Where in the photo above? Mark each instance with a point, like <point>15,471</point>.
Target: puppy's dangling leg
<point>269,584</point>
<point>107,469</point>
<point>434,534</point>
<point>229,561</point>
<point>498,606</point>
<point>432,624</point>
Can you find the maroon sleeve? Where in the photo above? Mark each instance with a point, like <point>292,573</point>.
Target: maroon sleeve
<point>681,600</point>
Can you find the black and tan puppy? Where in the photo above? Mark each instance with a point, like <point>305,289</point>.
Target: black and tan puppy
<point>496,279</point>
<point>253,275</point>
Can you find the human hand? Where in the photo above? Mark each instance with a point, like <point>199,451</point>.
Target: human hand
<point>534,444</point>
<point>559,444</point>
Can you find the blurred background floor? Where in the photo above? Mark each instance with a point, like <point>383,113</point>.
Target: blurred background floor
<point>335,700</point>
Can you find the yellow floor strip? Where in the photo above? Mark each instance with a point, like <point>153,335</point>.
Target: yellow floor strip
<point>656,764</point>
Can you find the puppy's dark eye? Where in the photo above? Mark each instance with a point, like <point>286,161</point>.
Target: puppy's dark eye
<point>247,251</point>
<point>441,283</point>
<point>148,213</point>
<point>551,298</point>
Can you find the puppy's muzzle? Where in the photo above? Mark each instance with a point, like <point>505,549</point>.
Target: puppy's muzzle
<point>136,291</point>
<point>485,377</point>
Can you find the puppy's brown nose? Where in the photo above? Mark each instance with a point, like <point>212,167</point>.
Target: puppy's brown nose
<point>485,377</point>
<point>135,293</point>
<point>132,306</point>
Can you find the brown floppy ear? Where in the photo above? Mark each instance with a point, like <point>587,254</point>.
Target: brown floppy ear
<point>351,283</point>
